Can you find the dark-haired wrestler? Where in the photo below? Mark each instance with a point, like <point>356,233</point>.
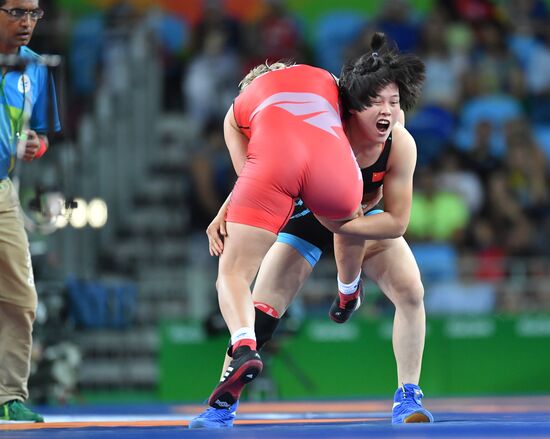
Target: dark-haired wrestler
<point>373,89</point>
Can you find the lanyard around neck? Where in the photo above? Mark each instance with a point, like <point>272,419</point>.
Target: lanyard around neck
<point>15,122</point>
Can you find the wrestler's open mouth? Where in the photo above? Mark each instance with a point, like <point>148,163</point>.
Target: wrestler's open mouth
<point>382,125</point>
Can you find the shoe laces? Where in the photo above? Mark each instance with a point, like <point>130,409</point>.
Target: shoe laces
<point>410,395</point>
<point>214,413</point>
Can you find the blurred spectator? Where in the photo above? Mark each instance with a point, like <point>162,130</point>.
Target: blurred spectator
<point>172,39</point>
<point>493,69</point>
<point>436,214</point>
<point>480,158</point>
<point>470,10</point>
<point>537,76</point>
<point>245,11</point>
<point>500,207</point>
<point>339,36</point>
<point>520,238</point>
<point>444,67</point>
<point>527,171</point>
<point>488,261</point>
<point>396,21</point>
<point>274,37</point>
<point>542,244</point>
<point>454,177</point>
<point>494,109</point>
<point>525,12</point>
<point>121,21</point>
<point>84,65</point>
<point>528,20</point>
<point>215,19</point>
<point>432,127</point>
<point>210,82</point>
<point>459,37</point>
<point>507,217</point>
<point>212,175</point>
<point>493,87</point>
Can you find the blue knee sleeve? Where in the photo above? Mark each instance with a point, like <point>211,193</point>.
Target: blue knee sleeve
<point>373,212</point>
<point>310,252</point>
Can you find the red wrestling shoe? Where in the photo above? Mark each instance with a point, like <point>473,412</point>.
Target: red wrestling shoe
<point>344,305</point>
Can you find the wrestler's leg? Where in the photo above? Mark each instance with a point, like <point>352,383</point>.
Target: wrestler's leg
<point>282,274</point>
<point>349,252</point>
<point>391,264</point>
<point>244,249</point>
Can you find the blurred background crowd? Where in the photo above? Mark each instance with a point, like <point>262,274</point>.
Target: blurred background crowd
<point>144,90</point>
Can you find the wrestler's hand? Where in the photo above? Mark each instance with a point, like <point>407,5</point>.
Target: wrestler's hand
<point>216,232</point>
<point>371,199</point>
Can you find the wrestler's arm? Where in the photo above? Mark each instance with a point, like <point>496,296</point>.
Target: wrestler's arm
<point>397,190</point>
<point>349,250</point>
<point>236,141</point>
<point>237,144</point>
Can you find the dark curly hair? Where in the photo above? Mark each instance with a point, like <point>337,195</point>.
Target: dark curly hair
<point>362,78</point>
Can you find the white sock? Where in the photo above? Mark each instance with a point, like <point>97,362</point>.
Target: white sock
<point>349,288</point>
<point>242,333</point>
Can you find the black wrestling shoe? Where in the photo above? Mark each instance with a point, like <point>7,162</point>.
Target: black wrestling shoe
<point>341,312</point>
<point>245,366</point>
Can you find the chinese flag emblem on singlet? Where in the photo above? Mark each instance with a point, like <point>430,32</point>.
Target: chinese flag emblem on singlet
<point>377,176</point>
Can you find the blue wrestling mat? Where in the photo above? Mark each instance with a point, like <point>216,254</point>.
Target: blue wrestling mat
<point>520,417</point>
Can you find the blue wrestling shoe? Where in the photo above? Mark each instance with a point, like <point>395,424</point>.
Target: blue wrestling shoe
<point>215,418</point>
<point>407,406</point>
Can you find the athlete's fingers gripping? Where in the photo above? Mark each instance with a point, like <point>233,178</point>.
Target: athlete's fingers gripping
<point>216,232</point>
<point>215,243</point>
